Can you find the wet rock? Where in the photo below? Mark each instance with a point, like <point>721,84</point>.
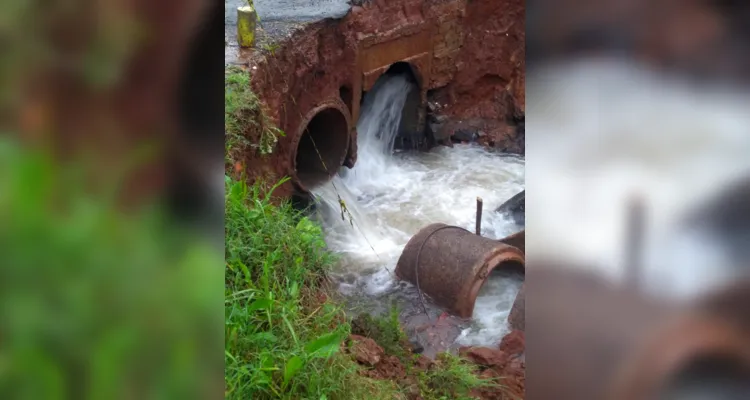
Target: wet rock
<point>389,367</point>
<point>465,135</point>
<point>515,207</point>
<point>514,377</point>
<point>517,316</point>
<point>423,363</point>
<point>365,350</point>
<point>440,128</point>
<point>413,392</point>
<point>416,347</point>
<point>437,118</point>
<point>484,356</point>
<point>513,344</point>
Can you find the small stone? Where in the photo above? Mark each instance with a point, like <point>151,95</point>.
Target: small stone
<point>513,343</point>
<point>464,135</point>
<point>365,350</point>
<point>484,356</point>
<point>423,363</point>
<point>416,348</point>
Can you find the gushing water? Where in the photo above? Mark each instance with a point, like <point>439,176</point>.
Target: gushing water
<point>390,197</point>
<point>605,130</point>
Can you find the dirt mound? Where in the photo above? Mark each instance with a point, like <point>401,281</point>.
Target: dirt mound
<point>503,368</point>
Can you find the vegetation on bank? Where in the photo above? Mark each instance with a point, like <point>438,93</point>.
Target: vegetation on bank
<point>246,123</point>
<point>283,336</point>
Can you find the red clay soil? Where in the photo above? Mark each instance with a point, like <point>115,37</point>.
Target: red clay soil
<point>504,365</point>
<point>477,61</point>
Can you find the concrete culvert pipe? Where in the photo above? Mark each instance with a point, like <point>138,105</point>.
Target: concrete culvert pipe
<point>450,264</point>
<point>321,145</point>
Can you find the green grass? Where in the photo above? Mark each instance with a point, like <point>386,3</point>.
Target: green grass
<point>282,340</point>
<point>450,378</point>
<point>247,125</point>
<point>385,331</point>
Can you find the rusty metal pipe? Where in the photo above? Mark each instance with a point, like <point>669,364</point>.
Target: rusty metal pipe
<point>453,265</point>
<point>590,339</point>
<point>321,144</point>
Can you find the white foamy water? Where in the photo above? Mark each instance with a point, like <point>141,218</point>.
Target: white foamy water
<point>602,131</point>
<point>392,196</point>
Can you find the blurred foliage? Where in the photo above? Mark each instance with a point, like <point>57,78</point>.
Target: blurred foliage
<point>96,303</point>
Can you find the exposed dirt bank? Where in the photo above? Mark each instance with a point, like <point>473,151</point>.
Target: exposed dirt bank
<point>468,56</point>
<point>503,367</point>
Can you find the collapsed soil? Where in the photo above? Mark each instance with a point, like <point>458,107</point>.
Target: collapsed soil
<point>503,367</point>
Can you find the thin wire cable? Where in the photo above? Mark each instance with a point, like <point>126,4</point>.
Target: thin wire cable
<point>342,204</point>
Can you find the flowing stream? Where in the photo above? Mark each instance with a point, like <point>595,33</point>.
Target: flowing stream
<point>605,130</point>
<point>391,196</point>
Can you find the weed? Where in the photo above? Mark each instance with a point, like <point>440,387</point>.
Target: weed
<point>278,345</point>
<point>386,331</point>
<point>271,47</point>
<point>246,122</point>
<point>450,378</point>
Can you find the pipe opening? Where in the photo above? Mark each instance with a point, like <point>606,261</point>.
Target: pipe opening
<point>321,149</point>
<point>410,136</point>
<point>507,268</point>
<point>710,377</point>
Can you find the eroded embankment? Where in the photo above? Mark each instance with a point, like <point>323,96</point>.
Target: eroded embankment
<point>466,61</point>
<point>467,58</point>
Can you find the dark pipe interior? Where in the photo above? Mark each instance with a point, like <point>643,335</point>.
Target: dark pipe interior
<point>329,133</point>
<point>409,136</point>
<point>714,378</point>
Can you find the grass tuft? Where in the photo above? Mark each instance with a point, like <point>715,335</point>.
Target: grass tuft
<point>282,339</point>
<point>451,378</point>
<point>247,125</point>
<point>385,331</point>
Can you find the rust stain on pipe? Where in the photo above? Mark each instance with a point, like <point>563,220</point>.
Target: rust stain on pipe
<point>454,264</point>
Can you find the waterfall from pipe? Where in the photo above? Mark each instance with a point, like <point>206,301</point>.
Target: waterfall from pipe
<point>390,196</point>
